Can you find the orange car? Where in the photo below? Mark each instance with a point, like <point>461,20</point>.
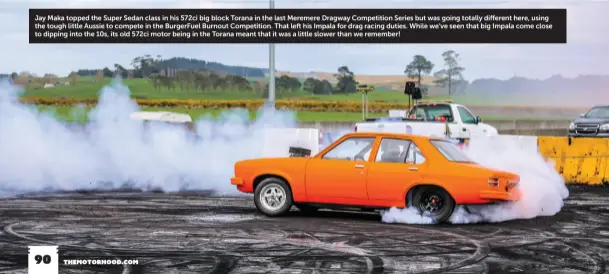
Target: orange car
<point>374,171</point>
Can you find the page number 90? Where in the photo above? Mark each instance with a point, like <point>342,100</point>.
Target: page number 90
<point>46,259</point>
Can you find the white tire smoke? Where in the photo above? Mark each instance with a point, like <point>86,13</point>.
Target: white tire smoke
<point>543,189</point>
<point>41,153</point>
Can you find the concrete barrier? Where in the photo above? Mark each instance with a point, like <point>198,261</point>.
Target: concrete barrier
<point>534,132</point>
<point>528,111</point>
<point>578,160</point>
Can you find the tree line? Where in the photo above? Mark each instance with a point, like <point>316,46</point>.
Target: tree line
<point>202,76</point>
<point>209,81</point>
<point>202,79</point>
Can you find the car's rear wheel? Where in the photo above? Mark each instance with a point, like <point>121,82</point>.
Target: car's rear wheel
<point>273,197</point>
<point>434,202</point>
<point>306,209</point>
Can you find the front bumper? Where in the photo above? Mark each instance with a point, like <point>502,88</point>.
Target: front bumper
<point>512,195</point>
<point>572,133</point>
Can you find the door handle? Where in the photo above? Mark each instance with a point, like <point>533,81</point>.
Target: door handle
<point>359,166</point>
<point>413,168</point>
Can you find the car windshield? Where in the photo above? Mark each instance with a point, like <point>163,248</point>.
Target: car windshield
<point>451,152</point>
<point>598,112</point>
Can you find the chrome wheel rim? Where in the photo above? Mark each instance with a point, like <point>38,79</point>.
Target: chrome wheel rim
<point>272,197</point>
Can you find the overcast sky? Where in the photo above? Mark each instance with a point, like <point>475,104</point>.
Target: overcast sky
<point>585,52</point>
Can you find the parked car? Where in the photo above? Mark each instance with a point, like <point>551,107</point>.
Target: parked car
<point>594,123</point>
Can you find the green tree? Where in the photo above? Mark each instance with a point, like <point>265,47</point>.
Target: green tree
<point>287,83</point>
<point>418,67</point>
<point>238,82</point>
<point>144,66</point>
<point>107,72</point>
<point>451,73</point>
<point>120,70</point>
<point>317,86</point>
<point>309,84</point>
<point>346,81</point>
<point>324,87</point>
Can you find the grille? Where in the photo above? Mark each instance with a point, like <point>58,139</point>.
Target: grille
<point>586,128</point>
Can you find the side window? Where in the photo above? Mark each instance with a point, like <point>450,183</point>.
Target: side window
<point>352,149</point>
<point>466,116</point>
<point>414,155</point>
<point>392,151</point>
<point>417,113</point>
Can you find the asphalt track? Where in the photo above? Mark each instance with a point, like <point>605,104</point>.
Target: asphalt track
<point>197,233</point>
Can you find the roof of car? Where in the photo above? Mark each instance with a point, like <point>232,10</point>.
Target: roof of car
<point>394,135</point>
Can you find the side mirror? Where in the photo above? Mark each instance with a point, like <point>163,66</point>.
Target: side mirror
<point>582,115</point>
<point>478,119</point>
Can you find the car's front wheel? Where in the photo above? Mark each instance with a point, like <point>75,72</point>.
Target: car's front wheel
<point>273,197</point>
<point>434,202</point>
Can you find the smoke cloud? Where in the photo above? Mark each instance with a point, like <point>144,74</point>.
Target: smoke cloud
<point>41,153</point>
<point>543,189</point>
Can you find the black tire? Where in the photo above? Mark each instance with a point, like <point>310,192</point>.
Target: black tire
<point>433,202</point>
<point>285,203</point>
<point>306,209</point>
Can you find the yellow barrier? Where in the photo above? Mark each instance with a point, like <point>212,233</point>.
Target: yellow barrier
<point>578,160</point>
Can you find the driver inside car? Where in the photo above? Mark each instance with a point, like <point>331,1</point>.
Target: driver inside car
<point>391,151</point>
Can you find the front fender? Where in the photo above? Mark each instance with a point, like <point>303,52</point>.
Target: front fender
<point>490,130</point>
<point>294,181</point>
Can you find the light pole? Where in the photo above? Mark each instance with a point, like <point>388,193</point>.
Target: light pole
<point>272,66</point>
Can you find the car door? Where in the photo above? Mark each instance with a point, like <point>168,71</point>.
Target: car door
<point>341,172</point>
<point>398,164</point>
<point>470,122</point>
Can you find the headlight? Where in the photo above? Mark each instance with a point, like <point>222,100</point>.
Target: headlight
<point>572,126</point>
<point>604,127</point>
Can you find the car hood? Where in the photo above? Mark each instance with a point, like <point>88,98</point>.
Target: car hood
<point>592,120</point>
